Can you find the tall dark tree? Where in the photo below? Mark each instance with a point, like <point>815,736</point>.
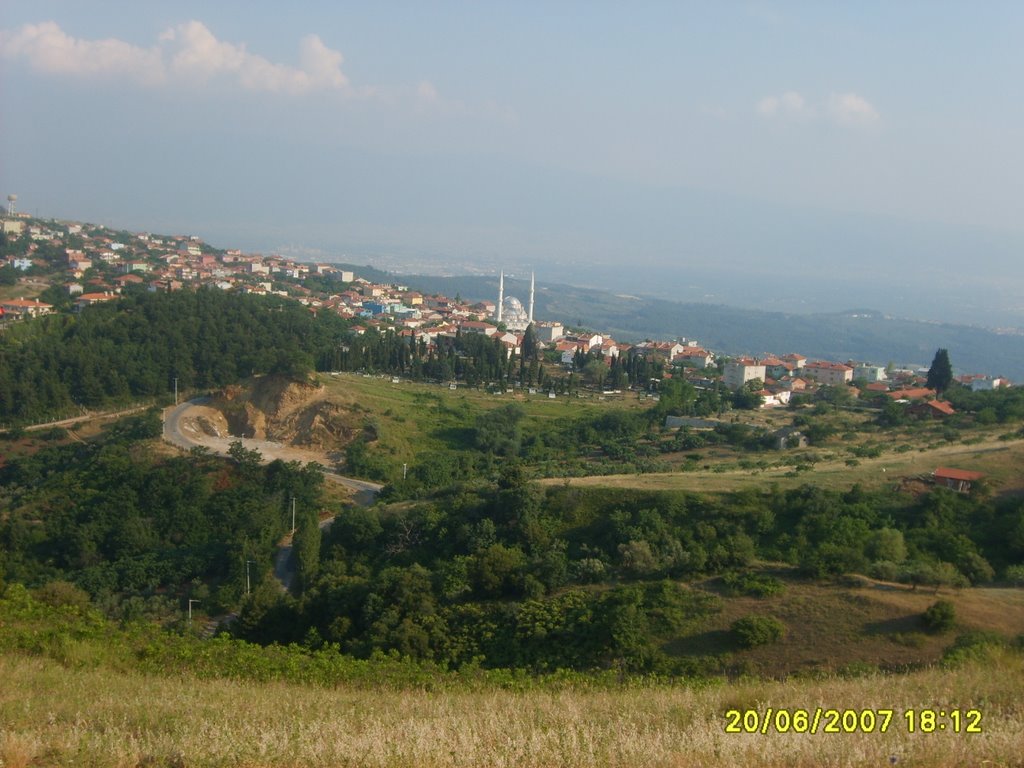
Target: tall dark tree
<point>940,375</point>
<point>530,347</point>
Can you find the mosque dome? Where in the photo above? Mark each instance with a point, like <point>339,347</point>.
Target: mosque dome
<point>514,315</point>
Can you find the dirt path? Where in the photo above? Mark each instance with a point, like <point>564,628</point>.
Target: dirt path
<point>87,417</point>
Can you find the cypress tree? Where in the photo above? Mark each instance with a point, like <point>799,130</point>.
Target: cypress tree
<point>940,375</point>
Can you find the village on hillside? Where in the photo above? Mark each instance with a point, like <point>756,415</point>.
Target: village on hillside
<point>70,266</point>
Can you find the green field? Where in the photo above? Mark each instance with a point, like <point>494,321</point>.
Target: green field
<point>413,418</point>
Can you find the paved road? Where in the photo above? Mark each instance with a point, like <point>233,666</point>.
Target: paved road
<point>177,434</point>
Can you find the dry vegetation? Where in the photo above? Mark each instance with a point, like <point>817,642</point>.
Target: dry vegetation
<point>1000,460</point>
<point>54,716</point>
<point>832,627</point>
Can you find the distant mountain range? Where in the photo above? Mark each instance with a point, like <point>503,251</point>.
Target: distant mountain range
<point>855,334</point>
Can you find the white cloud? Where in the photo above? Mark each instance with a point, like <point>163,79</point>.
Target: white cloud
<point>189,53</point>
<point>322,63</point>
<point>47,48</point>
<point>851,108</point>
<point>843,108</point>
<point>789,104</point>
<point>426,92</point>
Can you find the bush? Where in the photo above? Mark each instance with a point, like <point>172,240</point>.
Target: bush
<point>752,631</point>
<point>752,584</point>
<point>972,647</point>
<point>1015,575</point>
<point>62,594</point>
<point>940,617</point>
<point>884,570</point>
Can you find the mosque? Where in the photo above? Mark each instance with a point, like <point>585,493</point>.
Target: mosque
<point>510,310</point>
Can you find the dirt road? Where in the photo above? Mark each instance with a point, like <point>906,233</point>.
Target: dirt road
<point>185,427</point>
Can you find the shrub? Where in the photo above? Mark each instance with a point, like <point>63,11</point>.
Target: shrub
<point>884,570</point>
<point>62,594</point>
<point>972,646</point>
<point>1015,575</point>
<point>752,631</point>
<point>752,584</point>
<point>940,617</point>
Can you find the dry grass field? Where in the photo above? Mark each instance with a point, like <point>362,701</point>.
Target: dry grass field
<point>832,627</point>
<point>1001,460</point>
<point>54,716</point>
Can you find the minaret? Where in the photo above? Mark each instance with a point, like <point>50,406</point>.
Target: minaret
<point>531,298</point>
<point>501,293</point>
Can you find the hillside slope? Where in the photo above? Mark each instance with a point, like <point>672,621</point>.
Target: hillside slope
<point>55,715</point>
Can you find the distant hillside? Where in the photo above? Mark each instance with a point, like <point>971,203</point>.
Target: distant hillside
<point>855,334</point>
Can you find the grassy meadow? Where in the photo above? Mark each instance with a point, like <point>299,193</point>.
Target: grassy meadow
<point>413,418</point>
<point>51,715</point>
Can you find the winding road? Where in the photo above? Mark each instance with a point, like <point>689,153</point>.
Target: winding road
<point>180,431</point>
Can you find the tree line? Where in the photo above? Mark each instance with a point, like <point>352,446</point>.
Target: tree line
<point>136,346</point>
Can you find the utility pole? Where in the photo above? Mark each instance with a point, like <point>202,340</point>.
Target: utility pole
<point>293,515</point>
<point>248,588</point>
<point>175,390</point>
<point>190,601</point>
<point>405,471</point>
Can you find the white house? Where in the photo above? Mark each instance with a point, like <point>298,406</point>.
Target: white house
<point>869,373</point>
<point>741,370</point>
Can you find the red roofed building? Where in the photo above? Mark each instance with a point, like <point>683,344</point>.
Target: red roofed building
<point>914,393</point>
<point>934,409</point>
<point>741,370</point>
<point>956,479</point>
<point>88,299</point>
<point>25,307</point>
<point>831,374</point>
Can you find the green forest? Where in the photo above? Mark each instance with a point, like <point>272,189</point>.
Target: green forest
<point>137,346</point>
<point>493,572</point>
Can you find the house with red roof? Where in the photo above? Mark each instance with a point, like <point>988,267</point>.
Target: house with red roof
<point>25,307</point>
<point>828,373</point>
<point>932,409</point>
<point>958,480</point>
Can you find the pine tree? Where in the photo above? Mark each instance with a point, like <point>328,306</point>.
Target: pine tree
<point>940,375</point>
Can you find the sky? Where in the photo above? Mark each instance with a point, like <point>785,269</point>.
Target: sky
<point>798,154</point>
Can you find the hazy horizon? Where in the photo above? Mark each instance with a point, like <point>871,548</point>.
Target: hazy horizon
<point>774,155</point>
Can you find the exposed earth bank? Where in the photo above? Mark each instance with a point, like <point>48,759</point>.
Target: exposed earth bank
<point>277,409</point>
